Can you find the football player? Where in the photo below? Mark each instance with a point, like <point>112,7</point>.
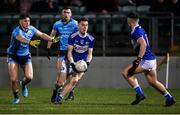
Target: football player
<point>144,63</point>
<point>19,55</point>
<point>63,28</point>
<point>80,47</point>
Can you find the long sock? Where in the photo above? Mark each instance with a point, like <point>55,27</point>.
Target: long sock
<point>168,96</point>
<point>15,94</point>
<point>26,82</point>
<point>138,90</point>
<point>57,89</point>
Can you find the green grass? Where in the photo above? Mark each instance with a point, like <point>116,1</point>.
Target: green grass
<point>88,101</point>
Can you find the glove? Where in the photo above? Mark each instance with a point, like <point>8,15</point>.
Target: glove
<point>55,40</point>
<point>88,63</point>
<point>35,43</point>
<point>136,62</point>
<point>49,53</point>
<point>135,65</point>
<point>74,68</point>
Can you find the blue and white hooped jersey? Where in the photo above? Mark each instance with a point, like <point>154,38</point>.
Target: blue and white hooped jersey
<point>81,45</point>
<point>18,48</point>
<point>64,31</point>
<point>135,35</point>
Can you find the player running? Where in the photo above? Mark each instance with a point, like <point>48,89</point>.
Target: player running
<point>63,29</point>
<point>80,47</point>
<point>19,55</point>
<point>144,63</point>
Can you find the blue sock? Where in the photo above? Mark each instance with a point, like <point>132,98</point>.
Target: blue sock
<point>16,95</point>
<point>168,96</point>
<point>138,90</point>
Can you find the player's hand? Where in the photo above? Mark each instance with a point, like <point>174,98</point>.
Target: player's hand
<point>55,40</point>
<point>49,53</point>
<point>74,68</point>
<point>136,63</point>
<point>35,43</point>
<point>88,63</point>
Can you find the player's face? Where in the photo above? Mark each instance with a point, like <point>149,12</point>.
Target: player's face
<point>25,23</point>
<point>129,22</point>
<point>66,14</point>
<point>83,27</point>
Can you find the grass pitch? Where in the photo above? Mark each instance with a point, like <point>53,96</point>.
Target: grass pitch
<point>88,101</point>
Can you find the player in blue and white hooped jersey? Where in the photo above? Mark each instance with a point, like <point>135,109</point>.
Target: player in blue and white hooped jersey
<point>80,47</point>
<point>144,63</point>
<point>19,55</point>
<point>63,28</point>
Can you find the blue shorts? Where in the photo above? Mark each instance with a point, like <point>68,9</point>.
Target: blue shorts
<point>63,54</point>
<point>22,60</point>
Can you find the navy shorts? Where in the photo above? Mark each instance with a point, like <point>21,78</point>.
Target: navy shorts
<point>22,60</point>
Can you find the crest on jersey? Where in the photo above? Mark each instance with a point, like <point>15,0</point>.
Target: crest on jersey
<point>82,41</point>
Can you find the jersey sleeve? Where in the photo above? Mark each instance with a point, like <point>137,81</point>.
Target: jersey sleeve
<point>91,45</point>
<point>137,34</point>
<point>55,26</point>
<point>70,40</point>
<point>35,30</point>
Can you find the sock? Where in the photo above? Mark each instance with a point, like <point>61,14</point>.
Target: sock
<point>62,97</point>
<point>15,94</point>
<point>138,90</point>
<point>168,96</point>
<point>57,89</point>
<point>25,82</point>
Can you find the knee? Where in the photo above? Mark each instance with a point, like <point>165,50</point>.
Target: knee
<point>74,82</point>
<point>152,82</point>
<point>29,77</point>
<point>124,74</point>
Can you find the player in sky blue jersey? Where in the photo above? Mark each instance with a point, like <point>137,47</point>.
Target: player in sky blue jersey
<point>63,28</point>
<point>80,47</point>
<point>145,63</point>
<point>19,55</point>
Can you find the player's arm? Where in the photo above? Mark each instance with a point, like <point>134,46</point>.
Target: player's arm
<point>45,36</point>
<point>142,44</point>
<point>34,43</point>
<point>136,62</point>
<point>70,57</point>
<point>89,56</point>
<point>22,39</point>
<point>53,34</point>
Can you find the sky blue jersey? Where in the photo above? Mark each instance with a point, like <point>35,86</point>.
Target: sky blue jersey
<point>81,45</point>
<point>18,48</point>
<point>135,35</point>
<point>64,31</point>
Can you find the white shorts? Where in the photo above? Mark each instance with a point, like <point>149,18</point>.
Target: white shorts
<point>148,64</point>
<point>65,68</point>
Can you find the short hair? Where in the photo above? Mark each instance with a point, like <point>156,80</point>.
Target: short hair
<point>83,19</point>
<point>64,8</point>
<point>24,16</point>
<point>133,15</point>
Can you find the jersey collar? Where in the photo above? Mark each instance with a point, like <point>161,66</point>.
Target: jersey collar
<point>134,28</point>
<point>82,35</point>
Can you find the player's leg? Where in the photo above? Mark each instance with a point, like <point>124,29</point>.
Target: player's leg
<point>28,72</point>
<point>71,96</point>
<point>152,80</point>
<point>73,81</point>
<point>61,78</point>
<point>133,82</point>
<point>13,73</point>
<point>162,61</point>
<point>26,65</point>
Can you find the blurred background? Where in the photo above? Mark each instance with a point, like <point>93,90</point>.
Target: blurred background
<point>107,23</point>
<point>160,18</point>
